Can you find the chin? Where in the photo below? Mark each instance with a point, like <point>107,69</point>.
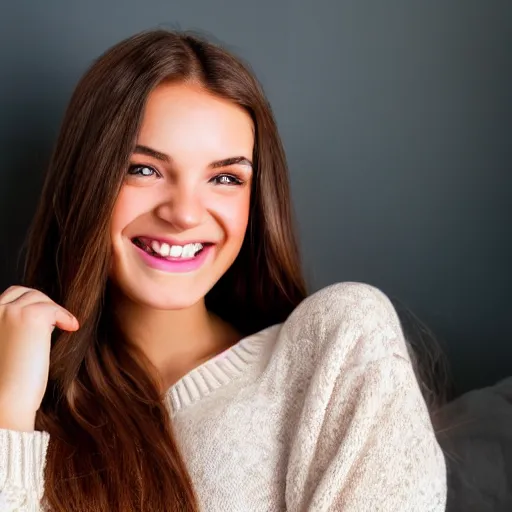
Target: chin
<point>170,303</point>
<point>162,297</point>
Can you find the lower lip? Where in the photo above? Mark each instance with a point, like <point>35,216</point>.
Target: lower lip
<point>175,265</point>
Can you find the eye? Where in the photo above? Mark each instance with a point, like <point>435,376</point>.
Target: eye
<point>142,170</point>
<point>226,179</point>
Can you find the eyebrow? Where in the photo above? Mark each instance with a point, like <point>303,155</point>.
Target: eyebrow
<point>226,162</point>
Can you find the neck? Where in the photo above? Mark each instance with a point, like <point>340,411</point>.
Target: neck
<point>177,341</point>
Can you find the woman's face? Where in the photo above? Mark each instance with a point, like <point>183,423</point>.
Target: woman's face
<point>181,216</point>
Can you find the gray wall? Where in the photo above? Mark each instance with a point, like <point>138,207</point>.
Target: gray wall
<point>397,119</point>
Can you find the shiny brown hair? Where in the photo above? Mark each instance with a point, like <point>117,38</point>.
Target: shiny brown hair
<point>111,439</point>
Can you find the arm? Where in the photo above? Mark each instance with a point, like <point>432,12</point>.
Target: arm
<point>22,458</point>
<point>27,320</point>
<point>364,440</point>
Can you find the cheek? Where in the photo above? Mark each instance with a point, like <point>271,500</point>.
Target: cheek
<point>235,216</point>
<point>129,205</point>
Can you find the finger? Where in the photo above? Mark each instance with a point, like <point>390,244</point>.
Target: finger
<point>31,297</point>
<point>65,321</point>
<point>34,297</point>
<point>12,293</point>
<point>56,315</point>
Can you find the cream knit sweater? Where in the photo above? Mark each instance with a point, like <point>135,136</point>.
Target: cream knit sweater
<point>321,413</point>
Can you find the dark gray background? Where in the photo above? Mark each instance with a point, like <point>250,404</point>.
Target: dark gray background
<point>397,120</point>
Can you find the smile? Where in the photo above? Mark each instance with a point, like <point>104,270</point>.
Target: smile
<point>168,251</point>
<point>170,257</point>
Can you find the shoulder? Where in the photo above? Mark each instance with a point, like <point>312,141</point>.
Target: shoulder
<point>356,320</point>
<point>344,298</point>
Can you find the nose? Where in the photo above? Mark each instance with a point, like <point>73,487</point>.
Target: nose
<point>183,208</point>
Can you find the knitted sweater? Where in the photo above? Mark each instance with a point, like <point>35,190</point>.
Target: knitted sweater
<point>321,413</point>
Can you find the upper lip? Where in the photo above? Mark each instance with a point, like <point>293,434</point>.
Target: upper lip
<point>171,241</point>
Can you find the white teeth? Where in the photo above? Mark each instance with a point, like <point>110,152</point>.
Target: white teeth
<point>165,249</point>
<point>155,246</point>
<point>176,251</point>
<point>188,251</point>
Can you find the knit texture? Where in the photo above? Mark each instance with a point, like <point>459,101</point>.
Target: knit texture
<point>321,413</point>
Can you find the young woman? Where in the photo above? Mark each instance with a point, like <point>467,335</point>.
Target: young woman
<point>191,374</point>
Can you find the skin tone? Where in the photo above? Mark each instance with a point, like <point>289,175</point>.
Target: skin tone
<point>189,180</point>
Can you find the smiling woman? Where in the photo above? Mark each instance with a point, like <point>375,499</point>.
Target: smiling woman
<point>185,200</point>
<point>162,355</point>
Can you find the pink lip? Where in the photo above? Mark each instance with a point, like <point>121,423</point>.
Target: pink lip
<point>175,265</point>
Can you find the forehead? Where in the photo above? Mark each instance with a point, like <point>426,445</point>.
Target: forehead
<point>191,124</point>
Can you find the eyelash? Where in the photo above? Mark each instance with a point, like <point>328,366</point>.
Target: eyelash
<point>135,170</point>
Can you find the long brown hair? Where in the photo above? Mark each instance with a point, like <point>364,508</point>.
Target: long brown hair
<point>111,440</point>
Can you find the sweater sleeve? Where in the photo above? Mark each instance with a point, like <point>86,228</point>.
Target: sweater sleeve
<point>364,440</point>
<point>22,459</point>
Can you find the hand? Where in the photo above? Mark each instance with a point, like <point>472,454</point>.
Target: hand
<point>27,320</point>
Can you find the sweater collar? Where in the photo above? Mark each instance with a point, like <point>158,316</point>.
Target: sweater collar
<point>217,372</point>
